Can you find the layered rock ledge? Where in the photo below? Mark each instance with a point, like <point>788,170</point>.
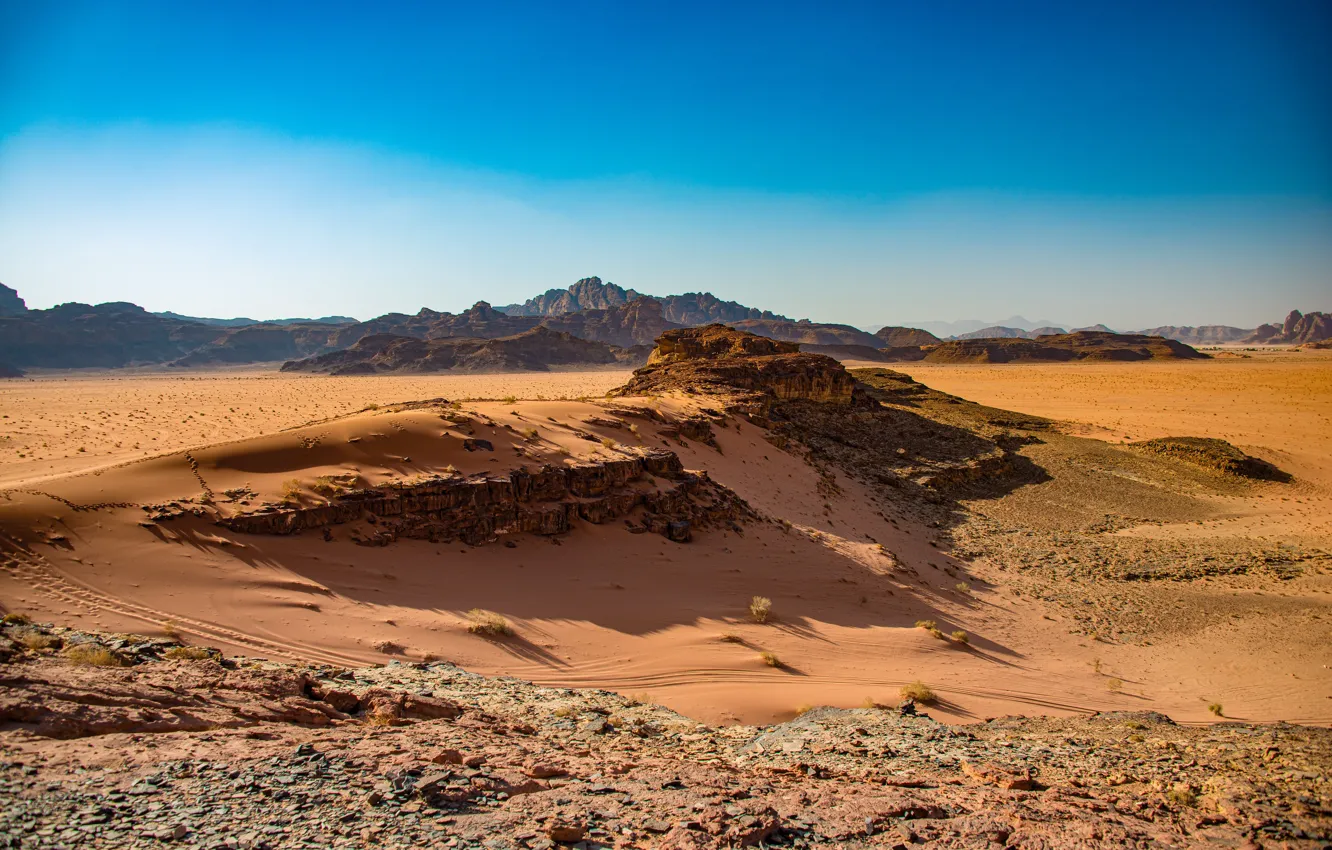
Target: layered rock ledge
<point>547,501</point>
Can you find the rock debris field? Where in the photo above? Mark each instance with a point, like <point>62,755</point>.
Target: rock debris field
<point>120,741</point>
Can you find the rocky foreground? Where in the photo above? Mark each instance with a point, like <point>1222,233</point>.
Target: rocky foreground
<point>122,741</point>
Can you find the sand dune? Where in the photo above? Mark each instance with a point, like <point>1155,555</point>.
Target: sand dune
<point>638,613</point>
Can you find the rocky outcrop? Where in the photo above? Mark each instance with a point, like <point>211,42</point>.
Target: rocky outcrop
<point>261,343</point>
<point>1211,453</point>
<point>535,350</point>
<point>807,332</point>
<point>1298,328</point>
<point>849,352</point>
<point>8,371</point>
<point>547,501</point>
<point>10,303</point>
<point>897,337</point>
<point>1084,345</point>
<point>722,360</point>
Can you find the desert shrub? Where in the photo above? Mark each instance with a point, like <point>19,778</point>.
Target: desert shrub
<point>730,637</point>
<point>531,434</point>
<point>562,450</point>
<point>918,691</point>
<point>803,708</point>
<point>509,399</point>
<point>16,620</point>
<point>871,702</point>
<point>483,622</point>
<point>291,490</point>
<point>609,443</point>
<point>633,428</point>
<point>35,640</point>
<point>186,653</point>
<point>1215,708</point>
<point>960,636</point>
<point>938,634</point>
<point>326,486</point>
<point>962,587</point>
<point>770,658</point>
<point>171,630</point>
<point>1115,685</point>
<point>91,655</point>
<point>926,624</point>
<point>760,609</point>
<point>389,647</point>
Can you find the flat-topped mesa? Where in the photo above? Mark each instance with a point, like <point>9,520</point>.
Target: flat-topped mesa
<point>719,360</point>
<point>480,508</point>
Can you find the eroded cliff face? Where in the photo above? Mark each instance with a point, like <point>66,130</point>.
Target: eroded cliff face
<point>548,501</point>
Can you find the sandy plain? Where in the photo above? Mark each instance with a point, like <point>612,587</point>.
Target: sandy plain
<point>636,613</point>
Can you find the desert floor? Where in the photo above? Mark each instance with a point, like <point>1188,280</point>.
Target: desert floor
<point>636,613</point>
<point>63,422</point>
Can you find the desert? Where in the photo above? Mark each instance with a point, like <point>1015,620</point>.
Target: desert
<point>665,426</point>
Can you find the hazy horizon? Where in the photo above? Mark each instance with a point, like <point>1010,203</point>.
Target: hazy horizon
<point>861,164</point>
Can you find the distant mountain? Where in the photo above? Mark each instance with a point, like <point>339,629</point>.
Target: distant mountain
<point>591,293</point>
<point>1100,329</point>
<point>10,303</point>
<point>958,329</point>
<point>1201,335</point>
<point>237,323</point>
<point>114,334</point>
<point>1000,332</point>
<point>893,337</point>
<point>1297,329</point>
<point>535,350</point>
<point>807,332</point>
<point>638,322</point>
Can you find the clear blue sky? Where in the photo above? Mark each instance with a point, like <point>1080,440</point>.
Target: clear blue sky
<point>1128,162</point>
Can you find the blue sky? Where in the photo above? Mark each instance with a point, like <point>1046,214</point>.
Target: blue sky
<point>1130,163</point>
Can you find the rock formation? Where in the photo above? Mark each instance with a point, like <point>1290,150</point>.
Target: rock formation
<point>1084,345</point>
<point>548,501</point>
<point>1297,329</point>
<point>807,332</point>
<point>722,360</point>
<point>890,336</point>
<point>10,303</point>
<point>590,293</point>
<point>534,350</point>
<point>1000,332</point>
<point>637,323</point>
<point>103,335</point>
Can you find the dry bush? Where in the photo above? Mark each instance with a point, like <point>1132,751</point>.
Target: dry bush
<point>871,702</point>
<point>327,486</point>
<point>291,490</point>
<point>562,450</point>
<point>35,640</point>
<point>760,609</point>
<point>510,399</point>
<point>186,653</point>
<point>488,623</point>
<point>919,692</point>
<point>770,658</point>
<point>16,620</point>
<point>926,624</point>
<point>90,655</point>
<point>389,647</point>
<point>530,434</point>
<point>938,634</point>
<point>960,636</point>
<point>1115,685</point>
<point>1182,795</point>
<point>171,630</point>
<point>609,443</point>
<point>730,637</point>
<point>1215,708</point>
<point>962,587</point>
<point>803,708</point>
